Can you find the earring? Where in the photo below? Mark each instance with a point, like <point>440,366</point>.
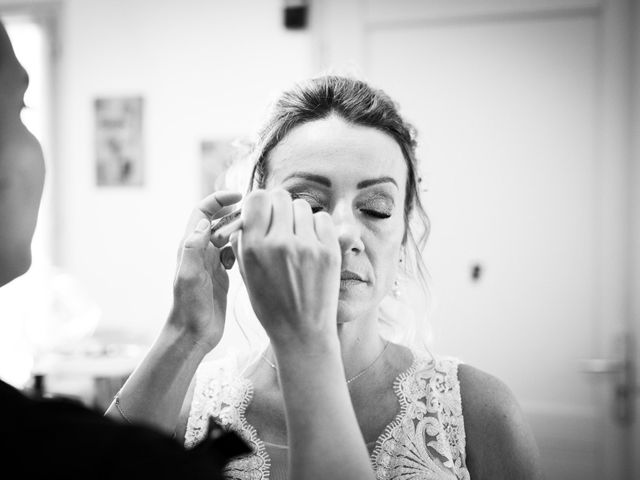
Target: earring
<point>396,289</point>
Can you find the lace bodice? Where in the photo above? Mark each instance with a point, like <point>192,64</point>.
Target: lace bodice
<point>425,441</point>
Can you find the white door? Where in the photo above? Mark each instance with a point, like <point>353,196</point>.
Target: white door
<point>519,110</point>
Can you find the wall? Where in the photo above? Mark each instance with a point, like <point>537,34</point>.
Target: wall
<point>634,178</point>
<point>206,70</point>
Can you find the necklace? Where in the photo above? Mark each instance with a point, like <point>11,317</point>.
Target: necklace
<point>349,380</point>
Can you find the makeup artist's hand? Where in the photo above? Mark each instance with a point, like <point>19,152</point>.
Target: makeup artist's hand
<point>289,259</point>
<point>201,283</point>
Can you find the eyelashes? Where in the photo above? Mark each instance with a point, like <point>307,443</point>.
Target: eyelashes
<point>313,200</point>
<point>375,213</point>
<point>371,209</point>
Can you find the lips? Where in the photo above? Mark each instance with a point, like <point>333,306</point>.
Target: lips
<point>347,275</point>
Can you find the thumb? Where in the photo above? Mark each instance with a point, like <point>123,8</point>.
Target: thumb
<point>200,237</point>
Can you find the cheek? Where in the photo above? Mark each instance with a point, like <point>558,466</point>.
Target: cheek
<point>31,173</point>
<point>384,254</point>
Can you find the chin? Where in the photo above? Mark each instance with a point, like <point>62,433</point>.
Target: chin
<point>14,266</point>
<point>346,311</point>
<point>349,310</point>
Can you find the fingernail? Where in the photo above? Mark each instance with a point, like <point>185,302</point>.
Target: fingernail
<point>203,225</point>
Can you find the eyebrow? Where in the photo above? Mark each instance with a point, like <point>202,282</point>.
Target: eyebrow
<point>327,183</point>
<point>375,181</point>
<point>310,177</point>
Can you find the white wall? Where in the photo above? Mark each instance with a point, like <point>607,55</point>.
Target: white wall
<point>206,69</point>
<point>635,211</point>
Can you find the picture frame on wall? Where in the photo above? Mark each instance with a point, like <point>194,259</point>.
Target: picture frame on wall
<point>119,146</point>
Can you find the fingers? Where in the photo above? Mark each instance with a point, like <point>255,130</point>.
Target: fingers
<point>225,220</point>
<point>324,229</point>
<point>221,231</point>
<point>193,249</point>
<point>281,213</point>
<point>198,238</point>
<point>256,215</point>
<point>234,239</point>
<point>213,203</point>
<point>271,213</point>
<point>210,206</point>
<point>303,222</point>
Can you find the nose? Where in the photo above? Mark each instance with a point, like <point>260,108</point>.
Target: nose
<point>348,228</point>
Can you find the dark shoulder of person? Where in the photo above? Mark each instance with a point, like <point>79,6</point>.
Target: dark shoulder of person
<point>60,438</point>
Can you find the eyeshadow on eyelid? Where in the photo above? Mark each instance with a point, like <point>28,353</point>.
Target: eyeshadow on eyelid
<point>380,198</point>
<point>305,195</point>
<point>299,191</point>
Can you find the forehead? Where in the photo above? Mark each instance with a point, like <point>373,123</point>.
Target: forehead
<point>341,151</point>
<point>7,56</point>
<point>5,44</point>
<point>13,77</point>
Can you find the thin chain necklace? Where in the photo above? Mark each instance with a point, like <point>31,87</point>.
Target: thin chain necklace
<point>349,380</point>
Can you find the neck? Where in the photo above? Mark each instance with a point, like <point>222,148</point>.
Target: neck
<point>360,343</point>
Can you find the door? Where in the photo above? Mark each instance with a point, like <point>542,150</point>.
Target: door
<point>519,111</point>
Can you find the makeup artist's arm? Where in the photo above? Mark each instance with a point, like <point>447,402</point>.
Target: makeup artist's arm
<point>155,392</point>
<point>293,281</point>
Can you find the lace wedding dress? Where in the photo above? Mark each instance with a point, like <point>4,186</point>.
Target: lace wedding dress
<point>425,441</point>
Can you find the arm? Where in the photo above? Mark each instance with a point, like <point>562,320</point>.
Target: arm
<point>500,443</point>
<point>155,392</point>
<point>325,440</point>
<point>290,262</point>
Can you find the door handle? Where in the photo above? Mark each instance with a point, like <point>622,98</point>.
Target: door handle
<point>623,371</point>
<point>601,365</point>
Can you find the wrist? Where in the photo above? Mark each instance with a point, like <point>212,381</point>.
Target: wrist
<point>315,349</point>
<point>310,369</point>
<point>183,341</point>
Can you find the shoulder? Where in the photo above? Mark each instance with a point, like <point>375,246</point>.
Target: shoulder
<point>499,441</point>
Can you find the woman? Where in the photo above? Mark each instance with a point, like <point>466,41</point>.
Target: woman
<point>322,239</point>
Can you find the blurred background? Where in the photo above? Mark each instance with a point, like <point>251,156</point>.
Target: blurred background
<point>528,121</point>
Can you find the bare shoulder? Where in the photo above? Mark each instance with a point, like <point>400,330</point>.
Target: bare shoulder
<point>500,443</point>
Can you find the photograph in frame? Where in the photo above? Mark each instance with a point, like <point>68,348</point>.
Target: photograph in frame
<point>119,142</point>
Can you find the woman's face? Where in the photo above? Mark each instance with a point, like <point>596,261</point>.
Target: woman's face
<point>358,175</point>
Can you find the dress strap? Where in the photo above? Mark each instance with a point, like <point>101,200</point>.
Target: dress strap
<point>428,434</point>
<point>222,393</point>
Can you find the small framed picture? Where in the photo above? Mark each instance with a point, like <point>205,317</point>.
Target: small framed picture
<point>119,142</point>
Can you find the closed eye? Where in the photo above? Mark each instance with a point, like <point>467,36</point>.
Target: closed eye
<point>375,213</point>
